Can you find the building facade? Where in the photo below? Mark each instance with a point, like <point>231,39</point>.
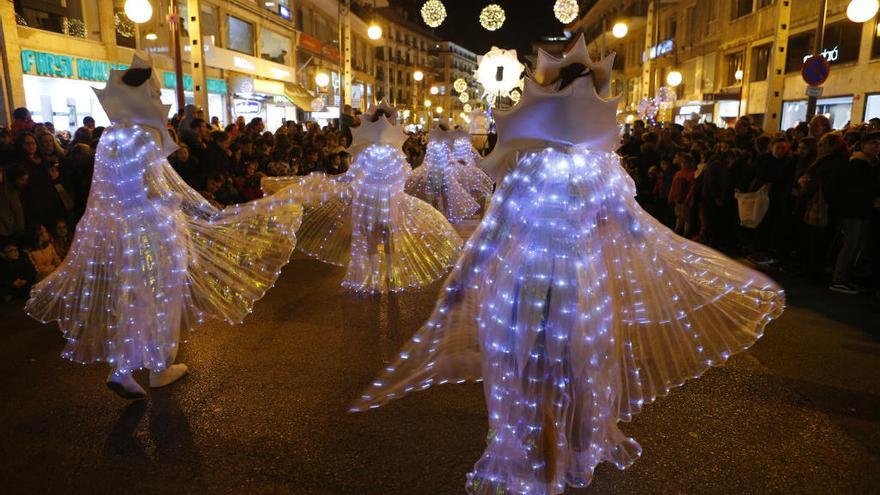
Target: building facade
<point>453,62</point>
<point>259,59</point>
<point>739,57</point>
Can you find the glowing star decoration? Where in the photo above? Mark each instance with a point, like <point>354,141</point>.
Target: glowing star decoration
<point>152,258</point>
<point>547,114</point>
<point>492,17</point>
<point>464,97</point>
<point>444,183</point>
<point>433,13</point>
<point>565,10</point>
<point>498,71</point>
<point>574,306</point>
<point>363,220</point>
<point>460,85</point>
<point>467,108</point>
<point>127,104</point>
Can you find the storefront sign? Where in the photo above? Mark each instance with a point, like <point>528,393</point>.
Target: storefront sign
<point>314,45</point>
<point>217,86</point>
<point>54,65</point>
<point>830,55</point>
<point>222,58</point>
<point>661,48</point>
<point>245,107</point>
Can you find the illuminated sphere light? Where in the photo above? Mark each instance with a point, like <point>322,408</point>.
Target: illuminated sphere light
<point>462,115</point>
<point>630,118</point>
<point>673,78</point>
<point>317,105</point>
<point>418,75</point>
<point>460,85</point>
<point>619,30</point>
<point>487,71</point>
<point>565,10</point>
<point>438,109</point>
<point>434,90</point>
<point>862,10</point>
<point>464,98</point>
<point>433,13</point>
<point>492,17</point>
<point>738,75</point>
<point>322,79</point>
<point>427,103</point>
<point>151,36</point>
<point>467,108</point>
<point>374,32</point>
<point>139,11</point>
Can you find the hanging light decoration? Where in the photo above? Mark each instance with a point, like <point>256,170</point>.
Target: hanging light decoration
<point>460,85</point>
<point>433,13</point>
<point>151,36</point>
<point>499,71</point>
<point>565,10</point>
<point>619,30</point>
<point>492,17</point>
<point>467,108</point>
<point>862,10</point>
<point>434,90</point>
<point>138,11</point>
<point>673,78</point>
<point>464,97</point>
<point>374,32</point>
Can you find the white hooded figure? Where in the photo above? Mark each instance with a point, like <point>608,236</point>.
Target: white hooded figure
<point>151,258</point>
<point>438,180</point>
<point>363,220</point>
<point>574,306</point>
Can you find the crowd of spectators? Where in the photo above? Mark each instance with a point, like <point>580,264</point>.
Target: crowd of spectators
<point>824,186</point>
<point>823,219</point>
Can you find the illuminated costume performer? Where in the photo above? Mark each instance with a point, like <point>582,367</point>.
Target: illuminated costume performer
<point>445,184</point>
<point>472,178</point>
<point>152,258</point>
<point>574,306</point>
<point>363,220</point>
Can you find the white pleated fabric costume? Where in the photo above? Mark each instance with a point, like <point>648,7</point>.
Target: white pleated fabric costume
<point>471,177</point>
<point>363,220</point>
<point>151,258</point>
<point>574,306</point>
<point>448,186</point>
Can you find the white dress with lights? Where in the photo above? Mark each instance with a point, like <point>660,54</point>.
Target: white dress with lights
<point>471,177</point>
<point>151,258</point>
<point>363,220</point>
<point>445,184</point>
<point>574,306</point>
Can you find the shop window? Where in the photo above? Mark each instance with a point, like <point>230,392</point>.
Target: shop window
<point>734,64</point>
<point>126,30</point>
<point>76,18</point>
<point>838,110</point>
<point>274,47</point>
<point>842,41</point>
<point>240,35</point>
<point>872,107</point>
<point>760,62</point>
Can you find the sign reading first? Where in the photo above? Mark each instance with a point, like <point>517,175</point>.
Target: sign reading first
<point>53,65</point>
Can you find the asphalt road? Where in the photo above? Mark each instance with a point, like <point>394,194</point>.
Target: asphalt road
<point>264,410</point>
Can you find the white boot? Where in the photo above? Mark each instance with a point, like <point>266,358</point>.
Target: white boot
<point>125,385</point>
<point>168,376</point>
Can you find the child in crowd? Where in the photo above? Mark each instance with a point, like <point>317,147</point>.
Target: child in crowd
<point>17,273</point>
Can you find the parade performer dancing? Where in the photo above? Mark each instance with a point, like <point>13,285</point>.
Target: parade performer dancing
<point>445,184</point>
<point>363,220</point>
<point>474,180</point>
<point>573,305</point>
<point>151,258</point>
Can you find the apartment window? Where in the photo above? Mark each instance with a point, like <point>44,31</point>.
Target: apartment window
<point>77,18</point>
<point>841,45</point>
<point>240,35</point>
<point>274,47</point>
<point>742,7</point>
<point>764,3</point>
<point>209,22</point>
<point>125,28</point>
<point>760,62</point>
<point>734,63</point>
<point>875,45</point>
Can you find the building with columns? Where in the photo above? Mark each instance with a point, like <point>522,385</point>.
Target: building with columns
<point>738,57</point>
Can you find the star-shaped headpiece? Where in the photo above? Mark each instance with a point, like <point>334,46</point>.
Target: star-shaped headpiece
<point>131,96</point>
<point>574,115</point>
<point>382,131</point>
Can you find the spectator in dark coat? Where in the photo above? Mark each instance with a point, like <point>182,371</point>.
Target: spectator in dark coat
<point>17,273</point>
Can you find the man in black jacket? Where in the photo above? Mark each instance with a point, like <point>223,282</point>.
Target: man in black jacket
<point>856,192</point>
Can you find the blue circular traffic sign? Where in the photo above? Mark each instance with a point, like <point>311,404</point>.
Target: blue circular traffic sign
<point>815,70</point>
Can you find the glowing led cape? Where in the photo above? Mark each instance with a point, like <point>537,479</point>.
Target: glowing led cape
<point>151,258</point>
<point>573,305</point>
<point>473,179</point>
<point>363,220</point>
<point>447,185</point>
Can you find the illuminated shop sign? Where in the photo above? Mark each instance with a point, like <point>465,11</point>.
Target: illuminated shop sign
<point>830,55</point>
<point>659,49</point>
<point>217,86</point>
<point>55,65</point>
<point>245,107</point>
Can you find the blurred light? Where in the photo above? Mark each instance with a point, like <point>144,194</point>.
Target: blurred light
<point>673,78</point>
<point>374,32</point>
<point>738,75</point>
<point>619,30</point>
<point>151,36</point>
<point>322,79</point>
<point>862,10</point>
<point>630,118</point>
<point>418,75</point>
<point>439,109</point>
<point>427,103</point>
<point>434,90</point>
<point>138,11</point>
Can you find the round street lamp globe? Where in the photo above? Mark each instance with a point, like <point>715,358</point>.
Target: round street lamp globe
<point>862,10</point>
<point>418,75</point>
<point>151,36</point>
<point>738,75</point>
<point>464,97</point>
<point>673,78</point>
<point>139,11</point>
<point>434,90</point>
<point>374,32</point>
<point>467,108</point>
<point>427,103</point>
<point>619,30</point>
<point>439,109</point>
<point>322,79</point>
<point>460,85</point>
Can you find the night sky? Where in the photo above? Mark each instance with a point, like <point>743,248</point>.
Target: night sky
<point>527,21</point>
